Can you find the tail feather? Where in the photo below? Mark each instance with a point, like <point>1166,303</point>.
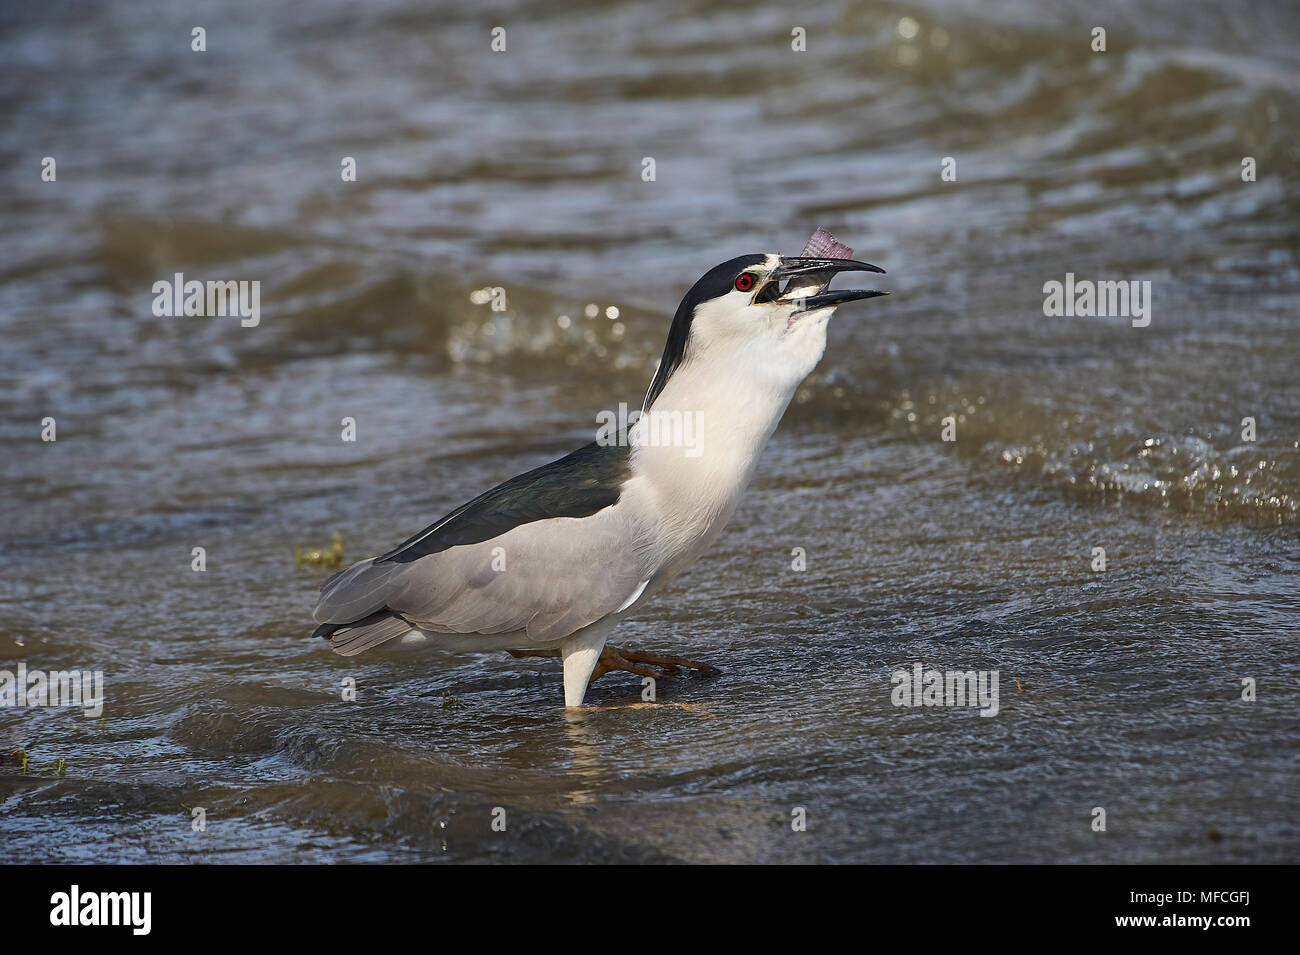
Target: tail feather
<point>349,639</point>
<point>352,609</point>
<point>354,593</point>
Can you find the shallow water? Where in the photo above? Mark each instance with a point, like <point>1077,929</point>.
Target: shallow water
<point>1119,689</point>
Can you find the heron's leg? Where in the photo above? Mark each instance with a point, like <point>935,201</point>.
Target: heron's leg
<point>581,652</point>
<point>612,658</point>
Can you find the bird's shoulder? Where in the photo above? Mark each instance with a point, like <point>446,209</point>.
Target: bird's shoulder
<point>579,484</point>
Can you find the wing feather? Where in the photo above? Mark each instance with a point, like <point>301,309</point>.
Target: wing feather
<point>544,554</point>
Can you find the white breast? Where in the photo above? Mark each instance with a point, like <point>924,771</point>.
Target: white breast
<point>725,412</point>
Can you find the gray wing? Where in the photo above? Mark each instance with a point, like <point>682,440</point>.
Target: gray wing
<point>571,557</point>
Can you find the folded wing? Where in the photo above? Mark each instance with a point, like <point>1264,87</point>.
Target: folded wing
<point>541,555</point>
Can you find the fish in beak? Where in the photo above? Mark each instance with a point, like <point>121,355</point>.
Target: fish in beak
<point>808,275</point>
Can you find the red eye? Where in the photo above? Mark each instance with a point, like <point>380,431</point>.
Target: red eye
<point>744,282</point>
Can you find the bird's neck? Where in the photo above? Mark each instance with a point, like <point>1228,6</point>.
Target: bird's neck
<point>697,447</point>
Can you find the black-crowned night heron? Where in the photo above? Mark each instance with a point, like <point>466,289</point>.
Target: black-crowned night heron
<point>550,561</point>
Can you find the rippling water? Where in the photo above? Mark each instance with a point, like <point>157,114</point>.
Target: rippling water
<point>522,170</point>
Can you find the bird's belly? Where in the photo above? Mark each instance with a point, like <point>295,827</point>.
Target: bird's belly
<point>478,642</point>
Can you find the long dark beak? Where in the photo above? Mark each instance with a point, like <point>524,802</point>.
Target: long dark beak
<point>792,266</point>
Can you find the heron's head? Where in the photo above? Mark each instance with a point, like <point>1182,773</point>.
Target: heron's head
<point>761,315</point>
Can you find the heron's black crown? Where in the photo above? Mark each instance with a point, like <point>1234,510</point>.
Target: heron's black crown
<point>714,283</point>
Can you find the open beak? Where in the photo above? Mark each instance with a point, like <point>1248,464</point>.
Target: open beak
<point>794,266</point>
